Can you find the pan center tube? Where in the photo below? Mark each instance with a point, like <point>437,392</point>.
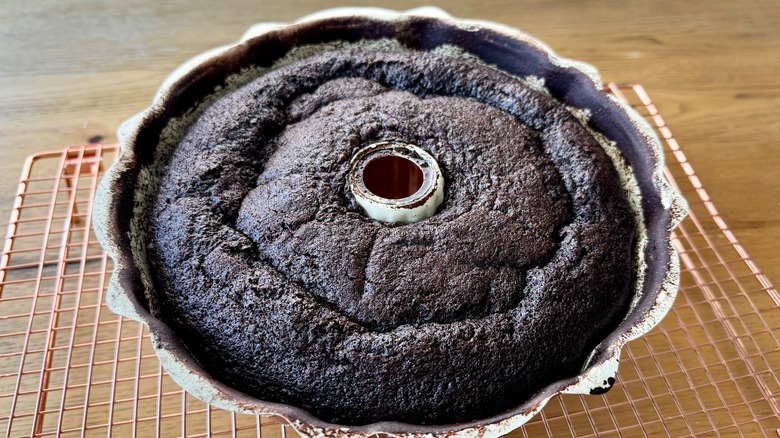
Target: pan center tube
<point>396,182</point>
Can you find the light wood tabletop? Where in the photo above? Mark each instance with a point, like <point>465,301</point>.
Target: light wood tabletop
<point>71,71</point>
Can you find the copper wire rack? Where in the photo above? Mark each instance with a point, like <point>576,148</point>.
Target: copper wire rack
<point>70,367</point>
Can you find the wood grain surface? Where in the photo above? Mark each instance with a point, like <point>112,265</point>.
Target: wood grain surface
<point>71,71</point>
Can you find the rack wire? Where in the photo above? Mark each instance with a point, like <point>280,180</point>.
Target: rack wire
<point>70,367</point>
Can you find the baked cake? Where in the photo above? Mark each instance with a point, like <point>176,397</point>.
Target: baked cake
<point>238,220</point>
<point>280,285</point>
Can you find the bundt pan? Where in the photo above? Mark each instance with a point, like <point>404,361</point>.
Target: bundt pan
<point>122,198</point>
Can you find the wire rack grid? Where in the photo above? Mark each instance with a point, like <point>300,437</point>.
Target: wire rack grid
<point>70,367</point>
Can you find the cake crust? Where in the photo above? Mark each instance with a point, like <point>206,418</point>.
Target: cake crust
<point>280,286</point>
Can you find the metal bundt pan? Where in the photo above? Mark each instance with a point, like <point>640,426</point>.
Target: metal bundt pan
<point>197,83</point>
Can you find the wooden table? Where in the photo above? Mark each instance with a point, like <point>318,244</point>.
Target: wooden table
<point>70,72</point>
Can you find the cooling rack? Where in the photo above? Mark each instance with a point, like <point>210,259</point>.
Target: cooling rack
<point>70,367</point>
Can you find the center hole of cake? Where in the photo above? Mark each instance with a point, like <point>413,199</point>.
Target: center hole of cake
<point>392,177</point>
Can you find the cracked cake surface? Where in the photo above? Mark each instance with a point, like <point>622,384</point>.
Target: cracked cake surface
<point>280,285</point>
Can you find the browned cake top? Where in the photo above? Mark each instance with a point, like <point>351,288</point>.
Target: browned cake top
<point>283,288</point>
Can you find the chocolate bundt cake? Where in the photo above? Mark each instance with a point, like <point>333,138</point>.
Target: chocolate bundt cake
<point>281,286</point>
